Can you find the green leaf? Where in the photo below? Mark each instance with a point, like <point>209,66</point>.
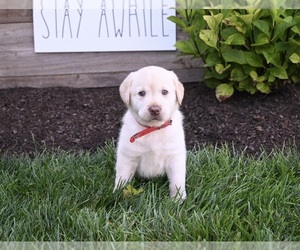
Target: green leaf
<point>247,19</point>
<point>203,48</point>
<point>263,87</point>
<point>282,27</point>
<point>187,47</point>
<point>239,26</point>
<point>235,39</point>
<point>279,72</point>
<point>296,77</point>
<point>293,42</point>
<point>227,32</point>
<point>220,68</point>
<point>254,75</point>
<point>224,91</point>
<point>273,58</point>
<point>190,30</point>
<point>282,46</point>
<point>262,26</point>
<point>226,12</point>
<point>219,18</point>
<point>237,75</point>
<point>212,59</point>
<point>264,48</point>
<point>212,74</point>
<point>131,191</point>
<point>178,21</point>
<point>295,58</point>
<point>234,21</point>
<point>257,78</point>
<point>182,12</point>
<point>213,22</point>
<point>247,69</point>
<point>248,86</point>
<point>253,59</point>
<point>296,29</point>
<point>209,37</point>
<point>261,39</point>
<point>234,55</point>
<point>271,78</point>
<point>276,13</point>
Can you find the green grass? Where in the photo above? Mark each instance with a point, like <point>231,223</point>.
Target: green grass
<point>231,197</point>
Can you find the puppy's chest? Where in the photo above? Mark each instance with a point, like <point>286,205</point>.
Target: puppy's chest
<point>152,164</point>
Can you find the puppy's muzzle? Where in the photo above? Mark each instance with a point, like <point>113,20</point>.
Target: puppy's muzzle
<point>154,110</point>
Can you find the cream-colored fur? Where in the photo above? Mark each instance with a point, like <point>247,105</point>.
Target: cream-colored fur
<point>152,96</point>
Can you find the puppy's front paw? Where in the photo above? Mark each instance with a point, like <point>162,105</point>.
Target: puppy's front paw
<point>178,195</point>
<point>119,183</point>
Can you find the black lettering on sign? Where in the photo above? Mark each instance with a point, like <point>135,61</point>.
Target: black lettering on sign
<point>144,17</point>
<point>151,20</point>
<point>56,21</point>
<point>103,15</point>
<point>46,25</point>
<point>163,15</point>
<point>133,13</point>
<point>80,12</point>
<point>117,21</point>
<point>66,17</point>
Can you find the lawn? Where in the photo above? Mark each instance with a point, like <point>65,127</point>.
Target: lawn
<point>63,196</point>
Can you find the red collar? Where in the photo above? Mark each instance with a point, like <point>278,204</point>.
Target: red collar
<point>149,130</point>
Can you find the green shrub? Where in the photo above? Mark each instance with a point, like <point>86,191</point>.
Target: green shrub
<point>243,49</point>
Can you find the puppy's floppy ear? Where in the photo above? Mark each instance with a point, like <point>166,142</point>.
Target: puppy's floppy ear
<point>178,87</point>
<point>125,89</point>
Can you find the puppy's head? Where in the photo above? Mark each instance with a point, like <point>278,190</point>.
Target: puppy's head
<point>152,94</point>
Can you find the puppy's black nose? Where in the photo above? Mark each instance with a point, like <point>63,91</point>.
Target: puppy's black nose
<point>154,110</point>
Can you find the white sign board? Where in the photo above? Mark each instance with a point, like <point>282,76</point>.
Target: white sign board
<point>103,25</point>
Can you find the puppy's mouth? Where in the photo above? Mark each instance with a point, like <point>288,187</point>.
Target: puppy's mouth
<point>156,119</point>
<point>152,118</point>
<point>152,121</point>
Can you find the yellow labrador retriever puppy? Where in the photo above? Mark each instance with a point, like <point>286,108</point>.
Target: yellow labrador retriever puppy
<point>151,141</point>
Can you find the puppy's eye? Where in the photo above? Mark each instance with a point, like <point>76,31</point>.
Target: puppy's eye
<point>142,93</point>
<point>165,92</point>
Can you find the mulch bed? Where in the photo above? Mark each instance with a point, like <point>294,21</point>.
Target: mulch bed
<point>85,119</point>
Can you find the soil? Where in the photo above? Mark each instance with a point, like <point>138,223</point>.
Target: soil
<point>73,119</point>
